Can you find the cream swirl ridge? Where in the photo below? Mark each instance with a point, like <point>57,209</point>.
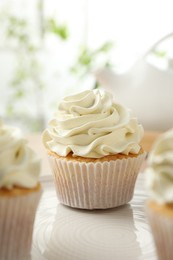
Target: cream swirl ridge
<point>90,124</point>
<point>19,165</point>
<point>159,173</point>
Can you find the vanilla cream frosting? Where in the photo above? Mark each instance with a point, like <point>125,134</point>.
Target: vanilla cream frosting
<point>159,173</point>
<point>89,124</point>
<point>19,165</point>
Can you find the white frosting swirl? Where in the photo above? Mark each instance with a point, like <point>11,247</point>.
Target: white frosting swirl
<point>19,165</point>
<point>90,124</point>
<point>159,173</point>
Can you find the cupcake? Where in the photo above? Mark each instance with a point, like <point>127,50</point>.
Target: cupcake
<point>93,145</point>
<point>19,194</point>
<point>159,207</point>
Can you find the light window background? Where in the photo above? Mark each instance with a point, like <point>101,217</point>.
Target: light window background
<point>132,25</point>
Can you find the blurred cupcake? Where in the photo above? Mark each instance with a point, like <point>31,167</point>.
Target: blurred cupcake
<point>159,208</point>
<point>19,194</point>
<point>94,151</point>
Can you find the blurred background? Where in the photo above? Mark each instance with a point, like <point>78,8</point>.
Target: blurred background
<point>52,48</point>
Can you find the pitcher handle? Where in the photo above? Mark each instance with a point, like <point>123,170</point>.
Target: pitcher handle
<point>152,48</point>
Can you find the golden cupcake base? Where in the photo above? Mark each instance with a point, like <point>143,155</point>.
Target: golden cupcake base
<point>95,183</point>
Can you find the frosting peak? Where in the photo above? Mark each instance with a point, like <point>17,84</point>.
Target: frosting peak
<point>159,173</point>
<point>90,124</point>
<point>86,102</point>
<point>19,165</point>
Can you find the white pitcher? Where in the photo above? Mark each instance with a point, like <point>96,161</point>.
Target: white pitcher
<point>144,88</point>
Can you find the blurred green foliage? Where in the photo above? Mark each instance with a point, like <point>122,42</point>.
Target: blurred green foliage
<point>89,60</point>
<point>28,76</point>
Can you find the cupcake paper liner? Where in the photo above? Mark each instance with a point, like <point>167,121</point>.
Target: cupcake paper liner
<point>97,185</point>
<point>162,230</point>
<point>17,216</point>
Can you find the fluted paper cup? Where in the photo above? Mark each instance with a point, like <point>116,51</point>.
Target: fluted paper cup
<point>162,229</point>
<point>17,214</point>
<point>95,185</point>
